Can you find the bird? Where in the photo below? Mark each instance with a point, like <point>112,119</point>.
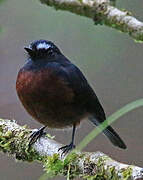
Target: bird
<point>55,92</point>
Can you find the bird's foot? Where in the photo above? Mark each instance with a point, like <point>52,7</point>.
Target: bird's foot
<point>35,135</point>
<point>67,148</point>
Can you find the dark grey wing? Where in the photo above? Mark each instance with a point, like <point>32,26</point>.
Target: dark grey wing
<point>84,94</point>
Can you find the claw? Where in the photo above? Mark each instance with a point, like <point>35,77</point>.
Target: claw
<point>35,135</point>
<point>67,148</point>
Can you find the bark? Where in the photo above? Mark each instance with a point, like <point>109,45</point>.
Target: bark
<point>14,140</point>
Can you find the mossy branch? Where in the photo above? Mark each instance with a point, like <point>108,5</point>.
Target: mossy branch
<point>102,12</point>
<point>14,140</point>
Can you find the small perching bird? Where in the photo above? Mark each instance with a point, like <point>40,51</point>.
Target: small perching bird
<point>55,92</point>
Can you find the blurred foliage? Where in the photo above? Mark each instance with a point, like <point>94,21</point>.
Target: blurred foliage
<point>1,1</point>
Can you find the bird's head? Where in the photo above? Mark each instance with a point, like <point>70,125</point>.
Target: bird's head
<point>42,49</point>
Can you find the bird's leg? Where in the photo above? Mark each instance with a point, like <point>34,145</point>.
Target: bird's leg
<point>71,146</point>
<point>35,135</point>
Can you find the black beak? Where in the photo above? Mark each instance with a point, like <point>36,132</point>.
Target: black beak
<point>29,50</point>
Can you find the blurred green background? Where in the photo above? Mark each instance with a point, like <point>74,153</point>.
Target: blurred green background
<point>111,61</point>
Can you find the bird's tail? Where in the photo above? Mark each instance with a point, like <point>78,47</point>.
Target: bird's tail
<point>111,134</point>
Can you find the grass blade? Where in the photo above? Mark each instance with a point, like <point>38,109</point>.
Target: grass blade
<point>124,110</point>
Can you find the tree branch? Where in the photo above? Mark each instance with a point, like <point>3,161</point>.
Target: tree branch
<point>14,140</point>
<point>102,13</point>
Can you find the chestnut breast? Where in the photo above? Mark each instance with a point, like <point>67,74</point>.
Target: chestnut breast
<point>47,97</point>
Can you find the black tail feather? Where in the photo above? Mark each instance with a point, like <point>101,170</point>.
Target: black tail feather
<point>111,134</point>
<point>114,137</point>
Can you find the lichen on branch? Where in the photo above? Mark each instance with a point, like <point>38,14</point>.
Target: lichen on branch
<point>102,13</point>
<point>14,140</point>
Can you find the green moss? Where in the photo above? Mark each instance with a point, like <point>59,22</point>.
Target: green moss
<point>99,13</point>
<point>80,1</point>
<point>16,142</point>
<point>96,171</point>
<point>67,167</point>
<point>127,12</point>
<point>139,39</point>
<point>54,166</point>
<point>49,136</point>
<point>127,173</point>
<point>107,174</point>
